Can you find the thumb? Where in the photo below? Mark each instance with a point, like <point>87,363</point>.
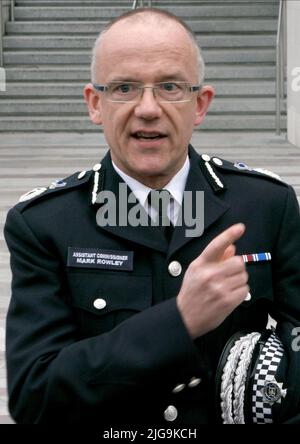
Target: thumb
<point>229,252</point>
<point>216,249</point>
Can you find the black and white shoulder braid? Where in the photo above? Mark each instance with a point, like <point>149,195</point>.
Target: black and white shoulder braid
<point>246,385</point>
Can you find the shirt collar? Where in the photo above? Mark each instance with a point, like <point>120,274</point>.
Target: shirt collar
<point>176,186</point>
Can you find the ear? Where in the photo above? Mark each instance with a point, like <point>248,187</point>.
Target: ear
<point>93,101</point>
<point>204,99</point>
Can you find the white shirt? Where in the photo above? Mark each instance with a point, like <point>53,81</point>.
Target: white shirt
<point>176,187</point>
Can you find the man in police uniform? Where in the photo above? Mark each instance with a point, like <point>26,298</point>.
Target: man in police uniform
<point>136,336</point>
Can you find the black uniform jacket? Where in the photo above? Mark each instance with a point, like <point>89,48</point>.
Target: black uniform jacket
<point>72,361</point>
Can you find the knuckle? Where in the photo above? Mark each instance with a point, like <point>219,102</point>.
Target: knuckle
<point>239,264</point>
<point>208,276</point>
<point>194,266</point>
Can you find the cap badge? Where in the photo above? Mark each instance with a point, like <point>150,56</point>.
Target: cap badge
<point>273,392</point>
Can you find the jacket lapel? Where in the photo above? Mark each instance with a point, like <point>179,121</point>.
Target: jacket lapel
<point>149,236</point>
<point>213,207</point>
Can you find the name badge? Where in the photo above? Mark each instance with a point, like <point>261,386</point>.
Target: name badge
<point>105,259</point>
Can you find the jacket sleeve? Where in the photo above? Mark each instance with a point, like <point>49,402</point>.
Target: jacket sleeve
<point>53,376</point>
<point>287,293</point>
<point>286,263</point>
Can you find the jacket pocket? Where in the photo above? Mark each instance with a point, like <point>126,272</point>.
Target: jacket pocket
<point>101,301</point>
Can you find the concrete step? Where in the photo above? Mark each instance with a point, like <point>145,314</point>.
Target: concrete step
<point>12,43</point>
<point>5,293</point>
<point>199,25</point>
<point>81,124</point>
<point>212,10</point>
<point>155,3</point>
<point>243,141</point>
<point>36,178</point>
<point>235,55</point>
<point>88,153</point>
<point>43,173</point>
<point>72,107</point>
<point>44,85</point>
<point>82,3</point>
<point>80,73</point>
<point>228,88</point>
<point>5,274</point>
<point>36,165</point>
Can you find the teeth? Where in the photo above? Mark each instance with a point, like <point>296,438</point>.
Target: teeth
<point>147,136</point>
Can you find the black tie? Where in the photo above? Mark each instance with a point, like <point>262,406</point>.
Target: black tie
<point>160,200</point>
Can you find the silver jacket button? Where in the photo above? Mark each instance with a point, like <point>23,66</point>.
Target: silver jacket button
<point>171,413</point>
<point>99,304</point>
<point>217,161</point>
<point>174,268</point>
<point>97,167</point>
<point>205,157</point>
<point>178,388</point>
<point>248,297</point>
<point>194,382</point>
<point>81,175</point>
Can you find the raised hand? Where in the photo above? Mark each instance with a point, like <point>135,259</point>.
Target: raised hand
<point>214,284</point>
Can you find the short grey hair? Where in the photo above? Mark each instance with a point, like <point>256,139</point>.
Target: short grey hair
<point>153,12</point>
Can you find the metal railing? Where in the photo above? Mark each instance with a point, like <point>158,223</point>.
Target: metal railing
<point>1,34</point>
<point>2,25</point>
<point>12,10</point>
<point>280,63</point>
<point>141,3</point>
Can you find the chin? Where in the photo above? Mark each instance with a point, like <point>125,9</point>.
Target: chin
<point>146,169</point>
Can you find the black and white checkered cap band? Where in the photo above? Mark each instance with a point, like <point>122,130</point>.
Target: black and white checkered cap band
<point>266,369</point>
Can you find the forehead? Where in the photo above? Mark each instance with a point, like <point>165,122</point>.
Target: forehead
<point>146,48</point>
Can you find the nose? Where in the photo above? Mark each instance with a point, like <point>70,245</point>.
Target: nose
<point>148,107</point>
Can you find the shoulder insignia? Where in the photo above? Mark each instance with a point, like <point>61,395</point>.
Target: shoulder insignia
<point>206,165</point>
<point>245,169</point>
<point>70,182</point>
<point>59,183</point>
<point>31,194</point>
<point>268,173</point>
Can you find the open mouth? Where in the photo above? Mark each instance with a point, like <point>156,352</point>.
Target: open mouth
<point>148,136</point>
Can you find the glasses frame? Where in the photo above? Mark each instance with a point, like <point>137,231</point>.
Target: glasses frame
<point>192,88</point>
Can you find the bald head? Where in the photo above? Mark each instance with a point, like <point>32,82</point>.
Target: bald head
<point>141,29</point>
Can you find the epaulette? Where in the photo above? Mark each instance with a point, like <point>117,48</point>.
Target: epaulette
<point>57,186</point>
<point>210,166</point>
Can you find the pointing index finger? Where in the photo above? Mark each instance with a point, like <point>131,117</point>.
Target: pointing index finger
<point>216,248</point>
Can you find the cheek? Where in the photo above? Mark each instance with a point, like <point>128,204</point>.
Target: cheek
<point>118,123</point>
<point>183,116</point>
<point>188,120</point>
<point>112,125</point>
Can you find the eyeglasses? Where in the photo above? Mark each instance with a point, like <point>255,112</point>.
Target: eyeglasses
<point>164,92</point>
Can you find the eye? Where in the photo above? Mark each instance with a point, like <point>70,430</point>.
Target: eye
<point>123,88</point>
<point>170,87</point>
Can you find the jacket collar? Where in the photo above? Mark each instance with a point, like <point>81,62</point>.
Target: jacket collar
<point>150,236</point>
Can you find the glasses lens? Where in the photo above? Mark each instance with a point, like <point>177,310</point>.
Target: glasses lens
<point>172,92</point>
<point>164,91</point>
<point>123,91</point>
